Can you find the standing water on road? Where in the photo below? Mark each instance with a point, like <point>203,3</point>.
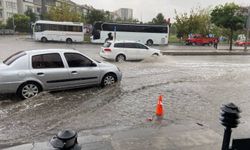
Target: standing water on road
<point>193,89</point>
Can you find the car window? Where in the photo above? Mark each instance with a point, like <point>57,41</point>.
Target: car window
<point>140,46</point>
<point>130,45</point>
<point>77,60</point>
<point>52,60</point>
<point>107,44</point>
<point>119,45</point>
<point>14,57</point>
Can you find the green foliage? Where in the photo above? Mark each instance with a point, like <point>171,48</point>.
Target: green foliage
<point>159,20</point>
<point>95,15</point>
<point>105,16</point>
<point>198,21</point>
<point>2,25</point>
<point>228,16</point>
<point>22,23</point>
<point>30,14</point>
<point>63,12</point>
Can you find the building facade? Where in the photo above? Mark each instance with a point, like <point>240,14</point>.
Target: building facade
<point>10,7</point>
<point>7,9</point>
<point>124,13</point>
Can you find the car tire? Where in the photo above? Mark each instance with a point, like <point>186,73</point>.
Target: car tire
<point>109,79</point>
<point>120,58</point>
<point>155,55</point>
<point>44,39</point>
<point>28,90</point>
<point>69,40</point>
<point>149,42</point>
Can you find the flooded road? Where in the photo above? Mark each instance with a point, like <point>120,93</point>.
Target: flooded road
<point>193,89</point>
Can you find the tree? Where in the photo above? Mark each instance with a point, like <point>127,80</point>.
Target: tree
<point>95,15</point>
<point>31,14</point>
<point>22,23</point>
<point>159,19</point>
<point>64,12</point>
<point>198,21</point>
<point>2,25</point>
<point>230,17</point>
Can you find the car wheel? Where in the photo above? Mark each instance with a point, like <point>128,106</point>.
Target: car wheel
<point>150,42</point>
<point>28,90</point>
<point>155,55</point>
<point>120,58</point>
<point>193,44</point>
<point>108,79</point>
<point>69,40</point>
<point>44,39</point>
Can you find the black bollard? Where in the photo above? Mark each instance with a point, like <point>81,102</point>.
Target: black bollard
<point>64,140</point>
<point>229,119</point>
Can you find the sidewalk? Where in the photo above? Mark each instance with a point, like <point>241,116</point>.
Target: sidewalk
<point>203,50</point>
<point>172,137</point>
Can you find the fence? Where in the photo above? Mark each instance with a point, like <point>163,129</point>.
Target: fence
<point>6,32</point>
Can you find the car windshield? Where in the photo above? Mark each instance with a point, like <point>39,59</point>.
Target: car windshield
<point>14,57</point>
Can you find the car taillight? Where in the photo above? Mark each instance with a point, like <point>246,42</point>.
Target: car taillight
<point>107,49</point>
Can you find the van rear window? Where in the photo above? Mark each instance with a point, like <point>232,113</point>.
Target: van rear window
<point>107,44</point>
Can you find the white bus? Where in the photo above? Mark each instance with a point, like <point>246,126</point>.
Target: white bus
<point>58,31</point>
<point>148,34</point>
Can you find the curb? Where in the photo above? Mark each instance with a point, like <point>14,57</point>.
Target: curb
<point>204,53</point>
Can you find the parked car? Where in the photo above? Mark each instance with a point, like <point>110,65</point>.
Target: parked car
<point>242,43</point>
<point>27,73</point>
<point>198,39</point>
<point>127,50</point>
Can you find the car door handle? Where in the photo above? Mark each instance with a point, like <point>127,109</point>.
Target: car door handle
<point>40,74</point>
<point>74,72</point>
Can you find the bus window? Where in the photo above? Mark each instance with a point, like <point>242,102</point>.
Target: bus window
<point>96,34</point>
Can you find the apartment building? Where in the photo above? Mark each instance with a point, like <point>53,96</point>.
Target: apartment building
<point>124,13</point>
<point>7,9</point>
<point>10,7</point>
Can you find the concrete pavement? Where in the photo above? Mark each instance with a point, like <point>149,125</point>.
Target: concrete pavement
<point>203,50</point>
<point>189,136</point>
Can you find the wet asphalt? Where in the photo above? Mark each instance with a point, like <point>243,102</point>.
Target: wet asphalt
<point>193,89</point>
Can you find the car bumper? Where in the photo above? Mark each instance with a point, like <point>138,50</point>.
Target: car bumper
<point>9,87</point>
<point>119,76</point>
<point>106,55</point>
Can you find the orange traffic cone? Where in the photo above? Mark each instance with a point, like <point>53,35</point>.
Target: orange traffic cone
<point>159,108</point>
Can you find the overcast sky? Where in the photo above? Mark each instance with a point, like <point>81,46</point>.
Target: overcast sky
<point>145,10</point>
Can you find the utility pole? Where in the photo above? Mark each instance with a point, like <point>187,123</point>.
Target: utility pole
<point>247,28</point>
<point>13,19</point>
<point>43,9</point>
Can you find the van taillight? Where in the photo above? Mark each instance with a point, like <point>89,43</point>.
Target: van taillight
<point>107,49</point>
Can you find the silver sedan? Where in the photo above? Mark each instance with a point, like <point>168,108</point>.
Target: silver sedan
<point>27,73</point>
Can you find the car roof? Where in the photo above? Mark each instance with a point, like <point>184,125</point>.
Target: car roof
<point>124,41</point>
<point>40,51</point>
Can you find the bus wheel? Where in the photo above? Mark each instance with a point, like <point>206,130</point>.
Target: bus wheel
<point>44,39</point>
<point>69,40</point>
<point>150,42</point>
